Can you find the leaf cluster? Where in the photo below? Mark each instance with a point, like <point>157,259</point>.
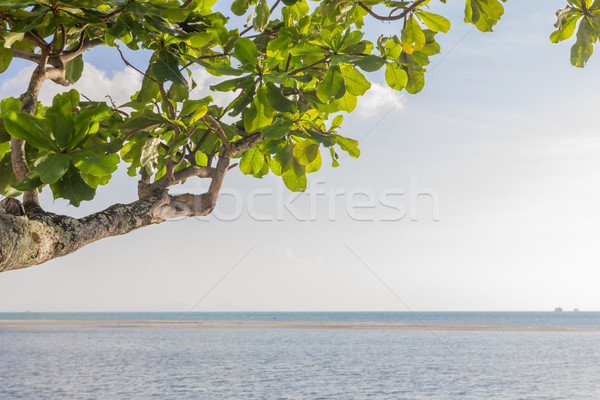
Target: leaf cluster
<point>295,69</point>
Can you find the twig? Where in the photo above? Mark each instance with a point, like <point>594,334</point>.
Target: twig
<point>404,13</point>
<point>132,66</point>
<point>294,72</point>
<point>141,128</point>
<point>117,11</point>
<point>217,128</point>
<point>165,98</point>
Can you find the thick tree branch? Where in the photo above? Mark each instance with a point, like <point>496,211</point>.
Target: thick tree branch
<point>36,58</point>
<point>189,205</point>
<point>84,45</point>
<point>146,189</point>
<point>17,146</point>
<point>36,38</point>
<point>246,143</point>
<point>42,236</point>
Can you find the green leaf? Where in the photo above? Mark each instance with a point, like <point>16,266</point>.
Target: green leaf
<point>9,104</point>
<point>94,164</point>
<point>395,76</point>
<point>7,178</point>
<point>435,22</point>
<point>231,85</point>
<point>53,167</point>
<point>74,69</point>
<point>282,161</point>
<point>348,145</point>
<point>73,188</point>
<point>279,48</point>
<point>6,56</point>
<point>261,18</point>
<point>277,100</point>
<point>60,117</point>
<point>315,165</point>
<point>31,22</point>
<point>149,90</point>
<point>278,129</point>
<point>174,14</point>
<point>28,184</point>
<point>294,180</point>
<point>306,152</point>
<point>4,148</point>
<point>566,29</point>
<point>346,103</point>
<point>285,165</point>
<point>12,38</point>
<point>252,162</point>
<point>484,14</point>
<point>336,123</point>
<point>33,130</point>
<point>95,181</point>
<point>86,123</point>
<point>178,93</point>
<point>239,7</point>
<point>332,86</point>
<point>584,46</point>
<point>356,83</point>
<point>166,68</point>
<point>245,51</point>
<point>413,38</point>
<point>416,80</point>
<point>334,158</point>
<point>259,115</point>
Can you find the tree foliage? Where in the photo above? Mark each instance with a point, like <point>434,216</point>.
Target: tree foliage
<point>296,68</point>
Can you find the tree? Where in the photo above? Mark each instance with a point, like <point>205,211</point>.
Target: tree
<point>295,68</point>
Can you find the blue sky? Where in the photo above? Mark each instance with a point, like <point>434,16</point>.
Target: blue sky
<point>502,138</point>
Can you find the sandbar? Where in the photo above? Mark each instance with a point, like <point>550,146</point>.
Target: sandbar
<point>268,324</point>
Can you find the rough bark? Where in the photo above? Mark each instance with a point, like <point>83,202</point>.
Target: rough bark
<point>39,236</point>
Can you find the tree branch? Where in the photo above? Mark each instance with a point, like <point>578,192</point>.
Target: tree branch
<point>84,45</point>
<point>36,58</point>
<point>42,236</point>
<point>324,59</point>
<point>403,14</point>
<point>246,143</point>
<point>217,128</point>
<point>17,146</point>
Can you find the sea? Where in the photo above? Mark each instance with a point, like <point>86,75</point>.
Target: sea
<point>558,358</point>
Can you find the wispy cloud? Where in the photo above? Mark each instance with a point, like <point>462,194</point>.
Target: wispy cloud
<point>377,101</point>
<point>94,83</point>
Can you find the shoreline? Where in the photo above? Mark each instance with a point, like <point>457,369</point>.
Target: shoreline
<point>261,324</point>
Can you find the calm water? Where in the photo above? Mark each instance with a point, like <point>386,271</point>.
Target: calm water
<point>141,363</point>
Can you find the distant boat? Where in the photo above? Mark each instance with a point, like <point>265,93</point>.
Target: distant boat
<point>558,309</point>
<point>576,310</point>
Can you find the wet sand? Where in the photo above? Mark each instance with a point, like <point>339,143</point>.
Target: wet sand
<point>270,324</point>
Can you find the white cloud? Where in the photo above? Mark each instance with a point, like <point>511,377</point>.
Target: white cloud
<point>378,100</point>
<point>94,83</point>
<point>203,81</point>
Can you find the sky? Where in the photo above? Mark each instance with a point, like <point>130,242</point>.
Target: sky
<point>481,193</point>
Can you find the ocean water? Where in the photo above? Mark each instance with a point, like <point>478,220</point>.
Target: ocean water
<point>215,363</point>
